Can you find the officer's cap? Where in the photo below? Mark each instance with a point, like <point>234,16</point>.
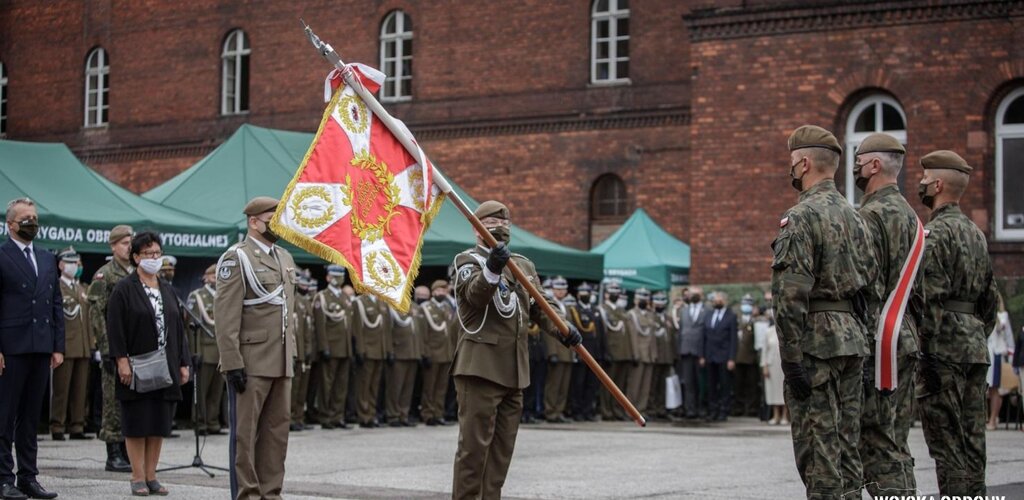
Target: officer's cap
<point>811,136</point>
<point>659,298</point>
<point>491,208</point>
<point>169,261</point>
<point>613,286</point>
<point>69,255</point>
<point>585,287</point>
<point>943,159</point>
<point>438,284</point>
<point>119,232</point>
<point>260,205</point>
<point>559,283</point>
<point>569,300</point>
<point>880,143</point>
<point>642,293</point>
<point>747,299</point>
<point>335,270</point>
<point>546,283</point>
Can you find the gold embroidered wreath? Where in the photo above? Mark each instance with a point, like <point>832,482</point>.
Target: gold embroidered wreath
<point>363,196</point>
<point>317,192</point>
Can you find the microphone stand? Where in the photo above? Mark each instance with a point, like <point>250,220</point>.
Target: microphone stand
<point>198,407</point>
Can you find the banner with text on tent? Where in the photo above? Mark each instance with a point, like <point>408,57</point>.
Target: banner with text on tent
<point>359,199</point>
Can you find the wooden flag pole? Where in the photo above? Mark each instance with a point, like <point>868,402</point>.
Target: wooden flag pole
<point>402,135</point>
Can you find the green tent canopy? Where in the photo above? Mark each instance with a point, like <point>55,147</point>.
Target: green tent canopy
<point>642,254</point>
<point>77,206</point>
<point>258,161</point>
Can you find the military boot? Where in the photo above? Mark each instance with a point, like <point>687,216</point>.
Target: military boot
<point>115,460</point>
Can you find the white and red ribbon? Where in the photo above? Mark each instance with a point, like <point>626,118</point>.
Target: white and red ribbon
<point>888,333</point>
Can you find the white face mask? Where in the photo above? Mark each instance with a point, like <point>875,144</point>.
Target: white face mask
<point>151,266</point>
<point>70,270</point>
<point>622,302</point>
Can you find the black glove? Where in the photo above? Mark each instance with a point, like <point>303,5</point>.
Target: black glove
<point>608,358</point>
<point>108,366</point>
<point>860,307</point>
<point>797,379</point>
<point>236,378</point>
<point>930,373</point>
<point>868,378</point>
<point>325,355</point>
<point>553,358</point>
<point>573,338</point>
<point>309,357</point>
<point>498,258</point>
<point>390,359</point>
<point>359,359</point>
<point>425,362</point>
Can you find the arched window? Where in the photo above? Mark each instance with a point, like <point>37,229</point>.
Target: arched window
<point>1010,167</point>
<point>609,207</point>
<point>235,74</point>
<point>396,56</point>
<point>3,101</point>
<point>609,41</point>
<point>875,113</point>
<point>97,88</point>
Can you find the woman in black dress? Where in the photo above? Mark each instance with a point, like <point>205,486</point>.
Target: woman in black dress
<point>142,316</point>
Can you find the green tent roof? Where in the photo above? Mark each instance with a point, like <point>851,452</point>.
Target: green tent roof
<point>262,161</point>
<point>77,206</point>
<point>642,254</point>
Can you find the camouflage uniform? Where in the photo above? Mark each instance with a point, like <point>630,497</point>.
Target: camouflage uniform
<point>99,292</point>
<point>816,275</point>
<point>888,464</point>
<point>960,309</point>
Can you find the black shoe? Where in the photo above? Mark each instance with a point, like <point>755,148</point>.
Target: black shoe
<point>342,425</point>
<point>295,427</point>
<point>396,423</point>
<point>408,423</point>
<point>327,426</point>
<point>308,427</point>
<point>115,461</point>
<point>433,422</point>
<point>592,418</point>
<point>216,432</point>
<point>174,435</point>
<point>368,425</point>
<point>34,490</point>
<point>79,436</point>
<point>57,436</point>
<point>200,432</point>
<point>9,492</point>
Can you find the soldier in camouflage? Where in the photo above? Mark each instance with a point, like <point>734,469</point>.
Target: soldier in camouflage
<point>102,285</point>
<point>818,283</point>
<point>888,464</point>
<point>960,299</point>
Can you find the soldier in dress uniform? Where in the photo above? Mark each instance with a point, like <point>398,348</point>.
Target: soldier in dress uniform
<point>256,340</point>
<point>560,360</point>
<point>533,395</point>
<point>665,354</point>
<point>960,309</point>
<point>491,365</point>
<point>371,329</point>
<point>71,378</point>
<point>401,375</point>
<point>211,383</point>
<point>438,327</point>
<point>819,281</point>
<point>888,465</point>
<point>618,349</point>
<point>332,315</point>
<point>641,325</point>
<point>747,386</point>
<point>305,348</point>
<point>102,285</point>
<point>584,385</point>
<point>167,268</point>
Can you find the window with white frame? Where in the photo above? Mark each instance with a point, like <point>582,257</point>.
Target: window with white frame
<point>3,101</point>
<point>235,74</point>
<point>876,113</point>
<point>97,88</point>
<point>609,41</point>
<point>1010,167</point>
<point>396,57</point>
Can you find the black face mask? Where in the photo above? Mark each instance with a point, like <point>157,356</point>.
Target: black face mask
<point>659,309</point>
<point>642,304</point>
<point>583,298</point>
<point>268,234</point>
<point>719,306</point>
<point>695,299</point>
<point>613,297</point>
<point>860,181</point>
<point>797,182</point>
<point>439,299</point>
<point>922,193</point>
<point>420,300</point>
<point>501,233</point>
<point>27,230</point>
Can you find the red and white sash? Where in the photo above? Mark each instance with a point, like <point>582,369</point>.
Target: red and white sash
<point>889,321</point>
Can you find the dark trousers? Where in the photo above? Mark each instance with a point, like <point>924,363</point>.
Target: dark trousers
<point>747,389</point>
<point>719,390</point>
<point>533,395</point>
<point>583,391</point>
<point>689,375</point>
<point>23,386</point>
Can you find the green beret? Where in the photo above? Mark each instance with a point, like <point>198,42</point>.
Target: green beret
<point>943,159</point>
<point>260,205</point>
<point>438,284</point>
<point>491,208</point>
<point>880,143</point>
<point>810,136</point>
<point>119,232</point>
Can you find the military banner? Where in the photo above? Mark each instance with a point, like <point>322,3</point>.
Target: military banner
<point>359,198</point>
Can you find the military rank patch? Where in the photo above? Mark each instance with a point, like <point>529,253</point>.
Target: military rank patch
<point>225,269</point>
<point>98,276</point>
<point>784,222</point>
<point>465,272</point>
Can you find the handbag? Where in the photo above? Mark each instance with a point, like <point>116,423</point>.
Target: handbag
<point>150,371</point>
<point>673,392</point>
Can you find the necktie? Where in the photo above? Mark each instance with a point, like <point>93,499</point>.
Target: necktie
<point>718,317</point>
<point>31,263</point>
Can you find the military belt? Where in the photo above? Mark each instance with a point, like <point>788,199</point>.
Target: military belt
<point>959,306</point>
<point>818,305</point>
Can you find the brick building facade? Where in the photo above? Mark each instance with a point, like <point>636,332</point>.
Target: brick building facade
<point>510,100</point>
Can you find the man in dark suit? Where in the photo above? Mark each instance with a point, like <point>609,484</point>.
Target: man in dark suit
<point>720,339</point>
<point>31,343</point>
<point>692,315</point>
